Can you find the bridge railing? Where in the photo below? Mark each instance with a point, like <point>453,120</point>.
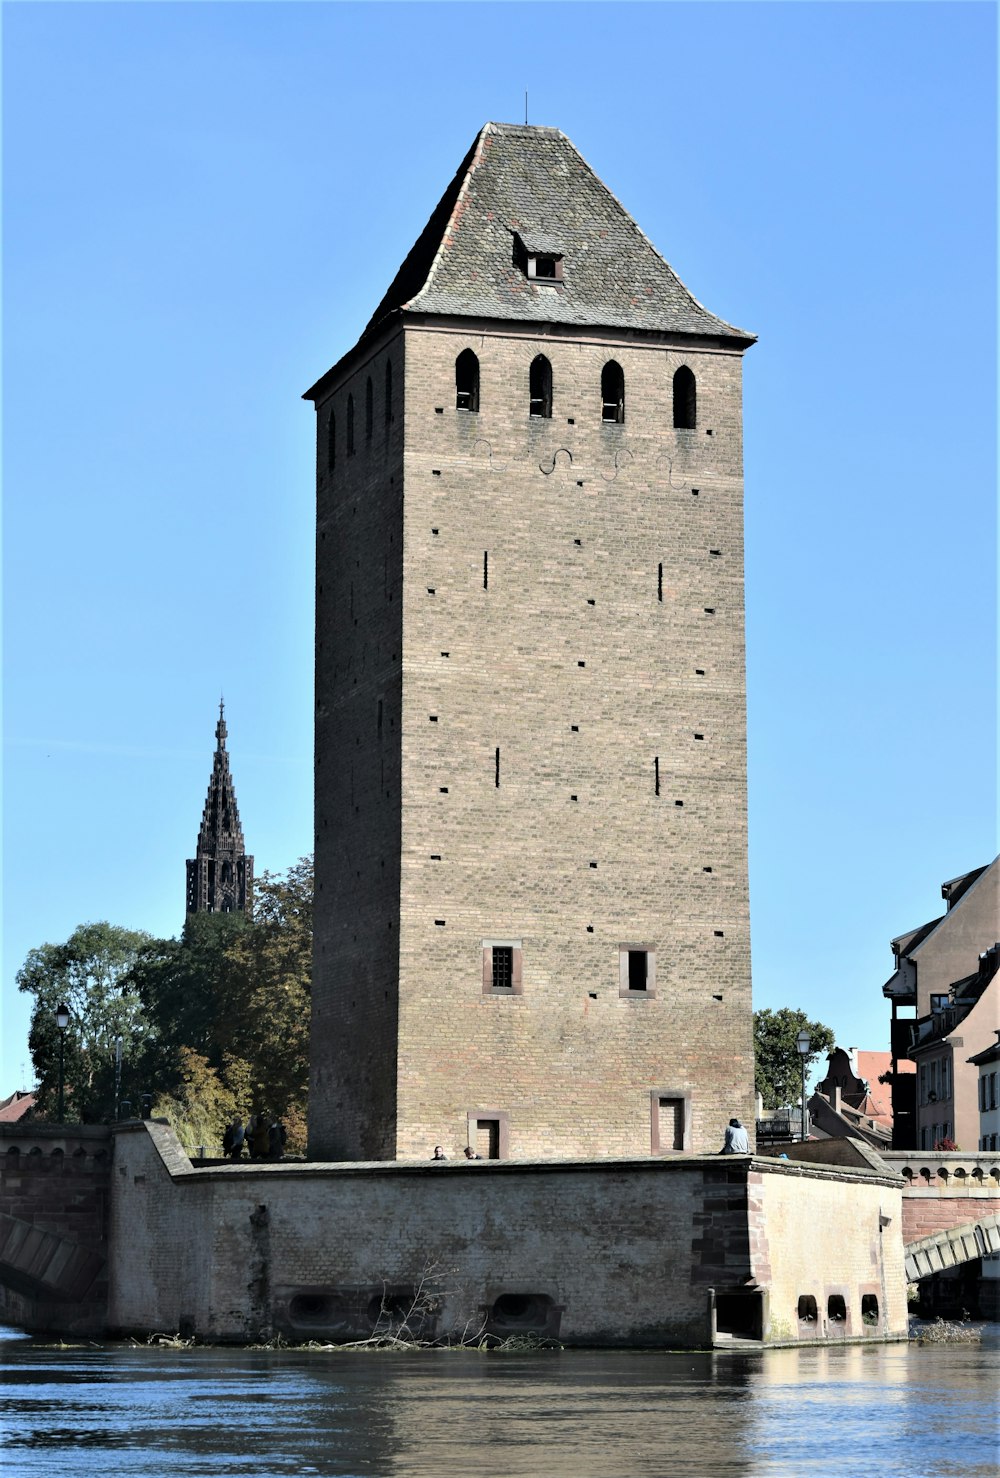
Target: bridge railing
<point>946,1172</point>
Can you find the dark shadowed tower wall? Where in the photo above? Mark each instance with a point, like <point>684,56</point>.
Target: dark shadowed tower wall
<point>532,924</point>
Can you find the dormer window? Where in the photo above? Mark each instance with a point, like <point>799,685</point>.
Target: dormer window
<point>544,267</point>
<point>540,260</point>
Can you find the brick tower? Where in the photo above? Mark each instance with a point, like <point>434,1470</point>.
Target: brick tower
<point>532,923</point>
<point>220,876</point>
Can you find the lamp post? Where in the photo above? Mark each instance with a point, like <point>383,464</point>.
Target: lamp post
<point>802,1042</point>
<point>62,1022</point>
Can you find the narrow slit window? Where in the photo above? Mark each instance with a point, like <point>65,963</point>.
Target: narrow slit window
<point>467,381</point>
<point>540,387</point>
<point>331,442</point>
<point>350,425</point>
<point>497,769</point>
<point>685,399</point>
<point>486,569</point>
<point>369,409</point>
<point>659,582</point>
<point>613,392</point>
<point>503,967</point>
<point>656,774</point>
<point>388,392</point>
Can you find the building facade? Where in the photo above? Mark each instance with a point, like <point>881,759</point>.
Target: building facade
<point>929,960</point>
<point>220,875</point>
<point>532,925</point>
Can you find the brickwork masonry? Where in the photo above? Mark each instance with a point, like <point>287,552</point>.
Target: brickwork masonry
<point>654,1252</point>
<point>531,729</point>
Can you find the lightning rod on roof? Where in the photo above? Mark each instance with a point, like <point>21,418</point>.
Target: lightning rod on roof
<point>526,108</point>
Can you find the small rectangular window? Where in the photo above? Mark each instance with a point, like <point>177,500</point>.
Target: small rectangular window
<point>636,970</point>
<point>502,971</point>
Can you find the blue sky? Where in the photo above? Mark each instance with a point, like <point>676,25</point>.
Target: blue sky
<point>202,206</point>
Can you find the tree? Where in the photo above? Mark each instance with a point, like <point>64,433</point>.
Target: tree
<point>214,1024</point>
<point>199,1105</point>
<point>178,982</point>
<point>90,975</point>
<point>263,1002</point>
<point>778,1071</point>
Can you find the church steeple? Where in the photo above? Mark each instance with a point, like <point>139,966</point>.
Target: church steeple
<point>220,877</point>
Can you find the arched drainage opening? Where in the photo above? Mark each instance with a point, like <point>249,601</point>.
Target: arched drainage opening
<point>523,1313</point>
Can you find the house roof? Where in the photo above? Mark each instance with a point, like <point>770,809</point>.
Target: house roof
<point>988,1054</point>
<point>530,181</point>
<point>16,1107</point>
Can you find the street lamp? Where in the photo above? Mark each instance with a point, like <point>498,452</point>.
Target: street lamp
<point>62,1022</point>
<point>802,1042</point>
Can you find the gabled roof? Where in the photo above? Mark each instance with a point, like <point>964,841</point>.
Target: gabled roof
<point>530,181</point>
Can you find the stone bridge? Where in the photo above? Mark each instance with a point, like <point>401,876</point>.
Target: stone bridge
<point>944,1190</point>
<point>54,1186</point>
<point>949,1249</point>
<point>951,1206</point>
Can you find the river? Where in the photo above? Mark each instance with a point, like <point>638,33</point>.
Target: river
<point>911,1410</point>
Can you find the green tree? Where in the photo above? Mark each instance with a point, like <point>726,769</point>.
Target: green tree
<point>198,1105</point>
<point>264,999</point>
<point>90,975</point>
<point>778,1072</point>
<point>179,984</point>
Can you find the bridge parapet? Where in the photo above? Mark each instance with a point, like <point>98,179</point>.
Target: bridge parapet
<point>946,1172</point>
<point>45,1147</point>
<point>943,1189</point>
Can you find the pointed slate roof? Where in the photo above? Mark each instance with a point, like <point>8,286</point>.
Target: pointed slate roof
<point>526,188</point>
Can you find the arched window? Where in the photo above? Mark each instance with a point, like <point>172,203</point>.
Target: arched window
<point>350,425</point>
<point>369,409</point>
<point>612,392</point>
<point>467,381</point>
<point>388,392</point>
<point>331,442</point>
<point>685,399</point>
<point>540,387</point>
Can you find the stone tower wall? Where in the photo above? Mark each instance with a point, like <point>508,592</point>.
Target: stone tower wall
<point>584,667</point>
<point>359,543</point>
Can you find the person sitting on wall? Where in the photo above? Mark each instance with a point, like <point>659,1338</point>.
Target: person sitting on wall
<point>439,1153</point>
<point>232,1140</point>
<point>470,1153</point>
<point>277,1136</point>
<point>737,1140</point>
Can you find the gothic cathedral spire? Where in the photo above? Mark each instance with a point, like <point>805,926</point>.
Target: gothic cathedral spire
<point>220,877</point>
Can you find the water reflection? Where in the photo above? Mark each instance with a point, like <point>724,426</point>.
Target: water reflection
<point>237,1413</point>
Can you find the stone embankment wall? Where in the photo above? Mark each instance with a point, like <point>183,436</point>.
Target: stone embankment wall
<point>53,1227</point>
<point>652,1251</point>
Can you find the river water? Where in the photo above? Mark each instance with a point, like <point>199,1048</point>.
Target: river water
<point>878,1411</point>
